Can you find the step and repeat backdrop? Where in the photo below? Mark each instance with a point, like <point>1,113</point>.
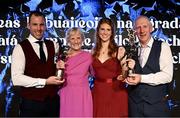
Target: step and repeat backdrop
<point>64,14</point>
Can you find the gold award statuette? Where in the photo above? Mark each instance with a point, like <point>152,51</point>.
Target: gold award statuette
<point>61,56</point>
<point>60,71</point>
<point>131,49</point>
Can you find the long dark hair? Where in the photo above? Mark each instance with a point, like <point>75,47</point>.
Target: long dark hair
<point>112,48</point>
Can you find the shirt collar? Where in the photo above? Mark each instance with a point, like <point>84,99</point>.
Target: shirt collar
<point>33,39</point>
<point>149,44</point>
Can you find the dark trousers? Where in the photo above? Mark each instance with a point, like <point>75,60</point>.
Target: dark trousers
<point>47,108</point>
<point>145,109</point>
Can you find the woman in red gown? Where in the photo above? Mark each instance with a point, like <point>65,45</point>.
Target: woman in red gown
<point>110,98</point>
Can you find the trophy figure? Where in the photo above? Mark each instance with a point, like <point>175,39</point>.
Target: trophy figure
<point>61,56</point>
<point>131,49</point>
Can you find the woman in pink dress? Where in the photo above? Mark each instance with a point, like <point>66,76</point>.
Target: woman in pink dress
<point>75,95</point>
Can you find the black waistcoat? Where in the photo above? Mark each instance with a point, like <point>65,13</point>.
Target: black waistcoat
<point>37,69</point>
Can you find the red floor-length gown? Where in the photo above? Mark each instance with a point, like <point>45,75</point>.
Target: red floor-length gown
<point>110,98</point>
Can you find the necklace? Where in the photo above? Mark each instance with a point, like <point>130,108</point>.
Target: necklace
<point>104,52</point>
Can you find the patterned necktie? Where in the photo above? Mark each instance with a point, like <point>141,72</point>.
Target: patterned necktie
<point>42,54</point>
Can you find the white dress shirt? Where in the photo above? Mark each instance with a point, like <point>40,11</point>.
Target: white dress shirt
<point>166,65</point>
<point>18,65</point>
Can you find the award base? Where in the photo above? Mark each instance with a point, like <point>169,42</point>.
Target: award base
<point>126,73</point>
<point>130,71</point>
<point>59,74</point>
